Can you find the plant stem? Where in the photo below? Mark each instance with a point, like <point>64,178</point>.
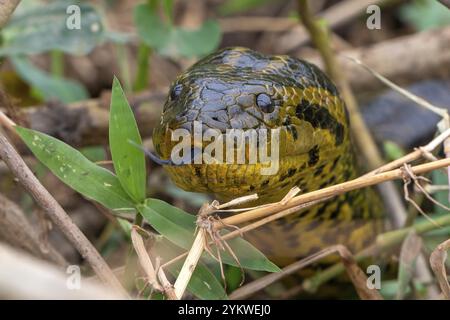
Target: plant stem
<point>142,75</point>
<point>57,63</point>
<point>56,213</point>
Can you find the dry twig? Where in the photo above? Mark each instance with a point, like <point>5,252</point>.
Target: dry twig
<point>7,8</point>
<point>152,273</point>
<point>57,214</point>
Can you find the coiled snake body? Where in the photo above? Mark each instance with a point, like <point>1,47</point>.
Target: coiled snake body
<point>243,89</point>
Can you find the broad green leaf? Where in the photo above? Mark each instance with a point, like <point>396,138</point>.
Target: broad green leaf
<point>75,170</point>
<point>425,14</point>
<point>179,227</point>
<point>196,42</point>
<point>150,27</point>
<point>49,86</point>
<point>203,283</point>
<point>69,26</point>
<point>129,161</point>
<point>173,41</point>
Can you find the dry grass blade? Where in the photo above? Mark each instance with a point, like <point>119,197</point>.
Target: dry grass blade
<point>144,260</point>
<point>357,276</point>
<point>437,261</point>
<point>408,255</point>
<point>190,263</point>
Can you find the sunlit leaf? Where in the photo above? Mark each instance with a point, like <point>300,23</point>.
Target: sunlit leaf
<point>75,170</point>
<point>129,161</point>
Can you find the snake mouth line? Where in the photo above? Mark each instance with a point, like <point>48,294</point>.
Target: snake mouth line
<point>201,145</point>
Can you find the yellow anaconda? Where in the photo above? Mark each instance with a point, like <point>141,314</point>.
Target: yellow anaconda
<point>237,88</point>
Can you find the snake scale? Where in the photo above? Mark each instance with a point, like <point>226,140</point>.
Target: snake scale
<point>242,89</point>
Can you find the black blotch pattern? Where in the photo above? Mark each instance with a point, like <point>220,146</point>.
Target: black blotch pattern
<point>327,183</point>
<point>313,155</point>
<point>291,172</point>
<point>319,170</point>
<point>288,174</point>
<point>320,117</point>
<point>335,162</point>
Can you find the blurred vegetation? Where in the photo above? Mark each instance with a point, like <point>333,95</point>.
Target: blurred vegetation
<point>39,27</point>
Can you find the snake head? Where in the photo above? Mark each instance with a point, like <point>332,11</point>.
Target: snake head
<point>240,89</point>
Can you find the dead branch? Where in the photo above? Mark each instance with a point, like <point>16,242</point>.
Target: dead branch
<point>403,60</point>
<point>16,230</point>
<point>86,122</point>
<point>256,24</point>
<point>57,214</point>
<point>335,16</point>
<point>7,8</point>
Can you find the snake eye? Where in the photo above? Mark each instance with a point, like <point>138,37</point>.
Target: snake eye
<point>265,103</point>
<point>176,91</point>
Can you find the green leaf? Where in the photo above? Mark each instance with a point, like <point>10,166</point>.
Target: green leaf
<point>425,14</point>
<point>179,228</point>
<point>203,283</point>
<point>150,27</point>
<point>197,42</point>
<point>392,150</point>
<point>75,170</point>
<point>173,41</point>
<point>238,6</point>
<point>49,86</point>
<point>45,27</point>
<point>440,179</point>
<point>126,227</point>
<point>94,153</point>
<point>129,161</point>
